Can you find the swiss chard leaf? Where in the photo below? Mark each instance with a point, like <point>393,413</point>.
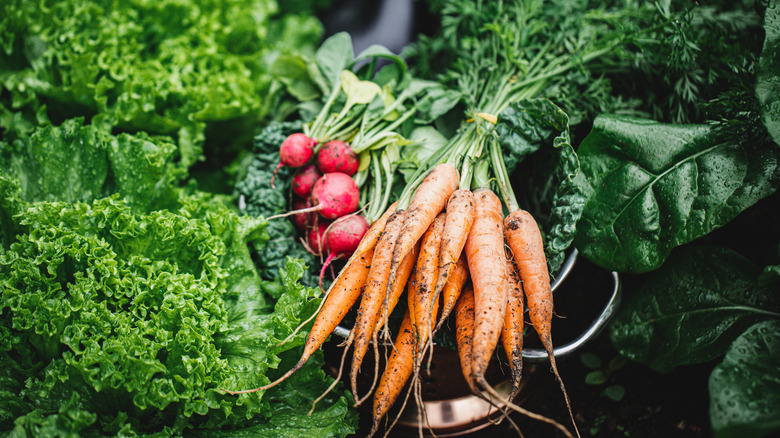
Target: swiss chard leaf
<point>744,389</point>
<point>651,187</point>
<point>548,189</point>
<point>692,308</point>
<point>767,83</point>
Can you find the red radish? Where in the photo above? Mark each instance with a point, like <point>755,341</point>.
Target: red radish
<point>304,179</point>
<point>337,156</point>
<point>295,151</point>
<point>333,195</point>
<point>315,238</point>
<point>302,220</point>
<point>342,238</point>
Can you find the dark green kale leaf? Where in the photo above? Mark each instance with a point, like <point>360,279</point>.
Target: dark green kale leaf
<point>257,198</point>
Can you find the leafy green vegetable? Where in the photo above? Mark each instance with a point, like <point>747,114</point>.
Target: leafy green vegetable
<point>744,391</point>
<point>258,199</point>
<point>167,67</point>
<point>692,308</point>
<point>650,187</point>
<point>767,88</point>
<point>522,129</point>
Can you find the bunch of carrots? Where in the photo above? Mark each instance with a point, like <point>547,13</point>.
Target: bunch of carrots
<point>450,246</point>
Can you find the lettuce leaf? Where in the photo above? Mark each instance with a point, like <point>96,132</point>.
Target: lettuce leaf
<point>119,316</point>
<point>166,67</point>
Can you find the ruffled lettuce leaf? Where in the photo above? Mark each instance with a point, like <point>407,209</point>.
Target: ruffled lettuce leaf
<point>132,319</point>
<point>166,67</point>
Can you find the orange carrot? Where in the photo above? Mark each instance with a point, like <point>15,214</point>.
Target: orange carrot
<point>341,296</point>
<point>404,273</point>
<point>428,201</point>
<point>525,240</point>
<point>452,289</point>
<point>512,332</point>
<point>369,239</point>
<point>464,333</point>
<point>420,297</point>
<point>397,371</point>
<point>374,295</point>
<point>459,219</point>
<point>485,256</point>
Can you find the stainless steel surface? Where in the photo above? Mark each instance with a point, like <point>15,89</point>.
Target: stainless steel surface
<point>539,355</point>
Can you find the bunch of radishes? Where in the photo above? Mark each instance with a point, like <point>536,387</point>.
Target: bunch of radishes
<point>325,196</point>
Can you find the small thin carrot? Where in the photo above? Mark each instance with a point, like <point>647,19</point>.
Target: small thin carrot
<point>405,271</point>
<point>525,240</point>
<point>514,324</point>
<point>374,295</point>
<point>460,214</point>
<point>452,289</point>
<point>420,297</point>
<point>464,333</point>
<point>428,201</point>
<point>399,368</point>
<point>485,256</point>
<point>342,295</point>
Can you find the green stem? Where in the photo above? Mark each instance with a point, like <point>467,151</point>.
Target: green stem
<point>502,176</point>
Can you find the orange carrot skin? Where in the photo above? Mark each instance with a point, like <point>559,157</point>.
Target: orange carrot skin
<point>487,268</point>
<point>399,368</point>
<point>369,239</point>
<point>342,295</point>
<point>514,324</point>
<point>374,294</point>
<point>420,297</point>
<point>460,214</point>
<point>428,201</point>
<point>525,240</point>
<point>464,332</point>
<point>404,273</point>
<point>452,288</point>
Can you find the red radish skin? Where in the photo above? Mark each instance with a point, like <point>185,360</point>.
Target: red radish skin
<point>342,238</point>
<point>337,156</point>
<point>295,151</point>
<point>335,195</point>
<point>303,180</point>
<point>302,221</point>
<point>315,238</point>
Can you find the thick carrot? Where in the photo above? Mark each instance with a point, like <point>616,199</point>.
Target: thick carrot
<point>459,219</point>
<point>464,333</point>
<point>374,295</point>
<point>428,201</point>
<point>452,289</point>
<point>487,268</point>
<point>399,368</point>
<point>342,295</point>
<point>420,296</point>
<point>514,325</point>
<point>525,240</point>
